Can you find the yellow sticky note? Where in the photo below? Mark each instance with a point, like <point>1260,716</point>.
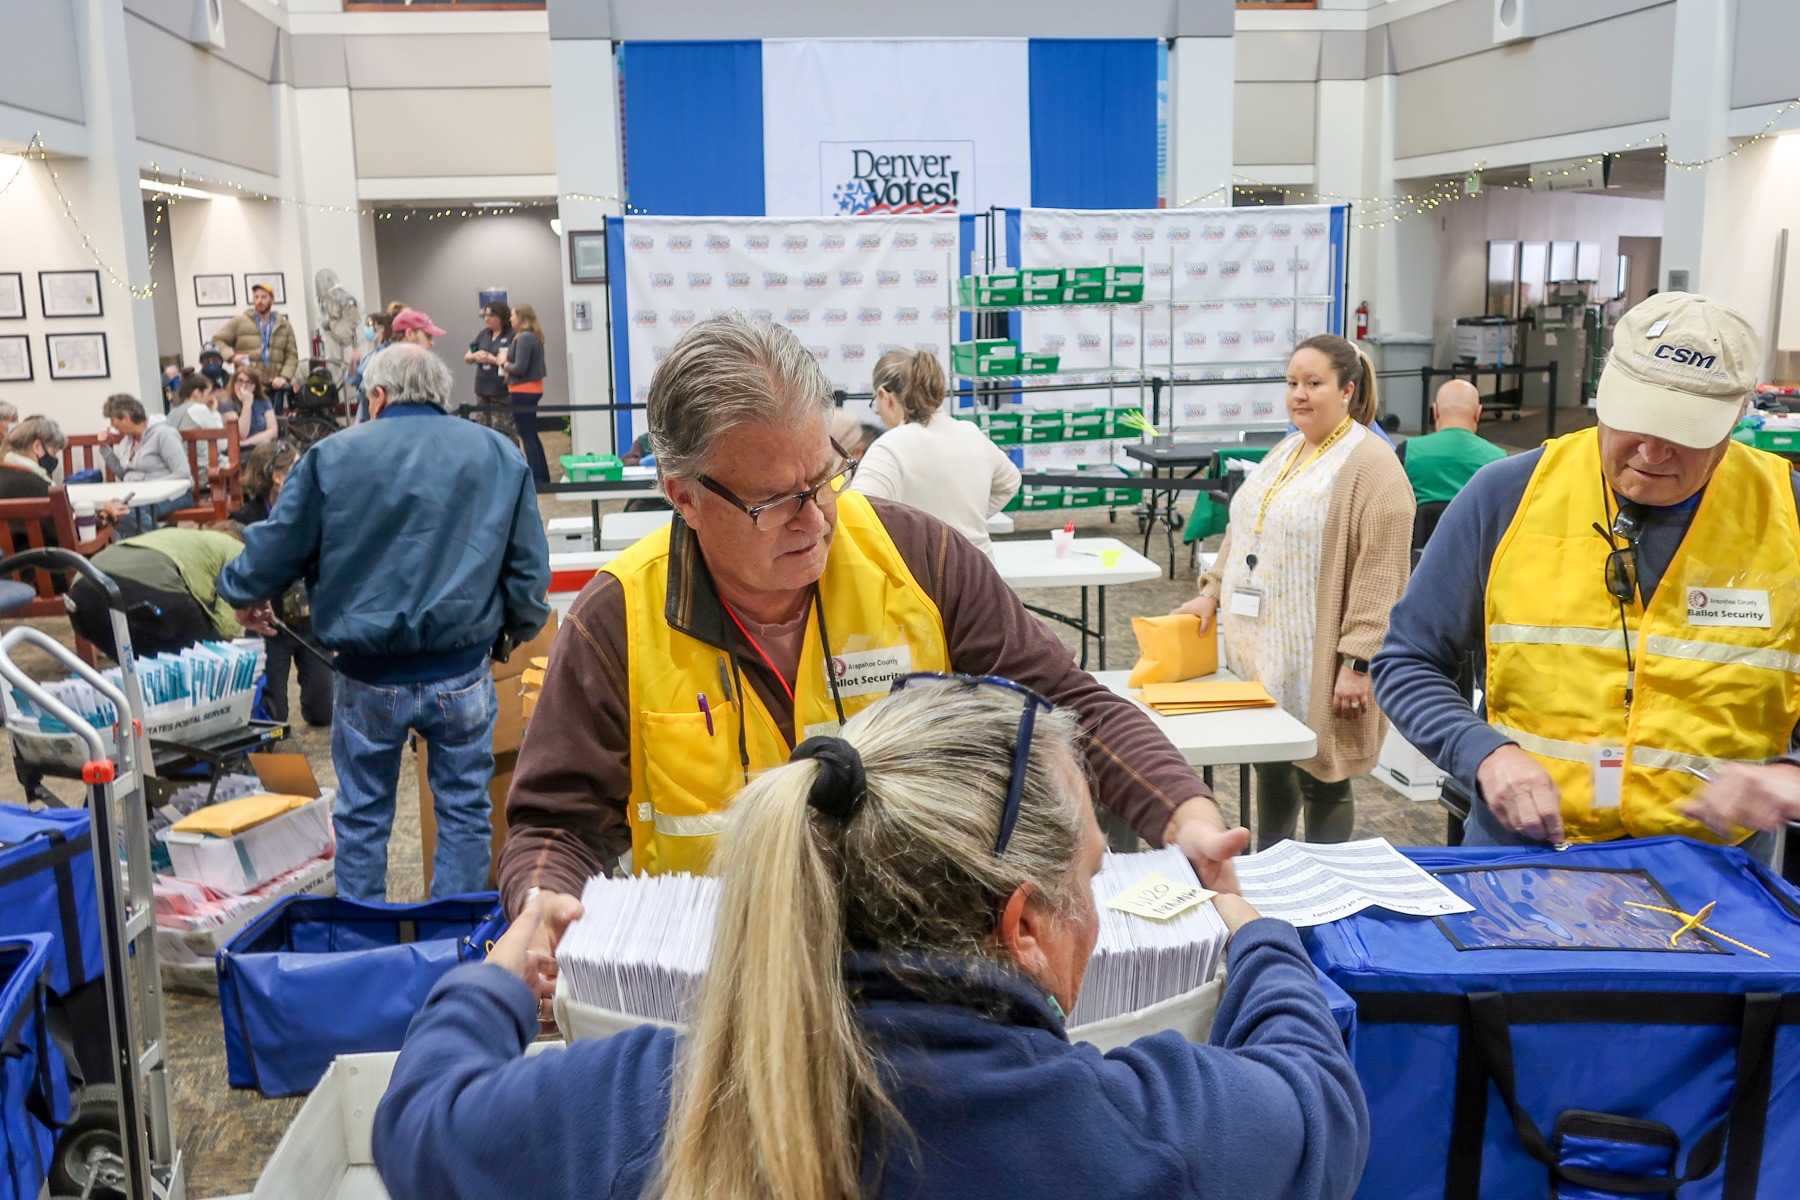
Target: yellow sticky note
<point>1158,897</point>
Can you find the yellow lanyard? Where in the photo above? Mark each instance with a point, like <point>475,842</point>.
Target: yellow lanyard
<point>1295,466</point>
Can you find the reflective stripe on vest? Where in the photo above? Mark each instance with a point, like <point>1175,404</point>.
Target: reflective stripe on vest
<point>1704,694</point>
<point>685,772</point>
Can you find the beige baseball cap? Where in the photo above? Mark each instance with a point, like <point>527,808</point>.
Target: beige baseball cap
<point>1681,368</point>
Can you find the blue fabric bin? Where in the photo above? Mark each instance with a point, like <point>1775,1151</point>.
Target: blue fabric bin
<point>47,886</point>
<point>316,977</point>
<point>34,1092</point>
<point>1554,1043</point>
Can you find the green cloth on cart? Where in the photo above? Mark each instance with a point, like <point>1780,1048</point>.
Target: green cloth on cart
<point>1209,516</point>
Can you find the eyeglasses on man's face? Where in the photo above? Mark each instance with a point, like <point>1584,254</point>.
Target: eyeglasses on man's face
<point>773,514</point>
<point>1034,703</point>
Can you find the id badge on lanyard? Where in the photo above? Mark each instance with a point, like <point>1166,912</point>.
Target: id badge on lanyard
<point>1609,775</point>
<point>1245,602</point>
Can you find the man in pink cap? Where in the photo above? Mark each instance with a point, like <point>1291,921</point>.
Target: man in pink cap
<point>1634,591</point>
<point>411,325</point>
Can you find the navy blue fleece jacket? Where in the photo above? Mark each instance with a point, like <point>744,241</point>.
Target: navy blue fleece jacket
<point>1000,1106</point>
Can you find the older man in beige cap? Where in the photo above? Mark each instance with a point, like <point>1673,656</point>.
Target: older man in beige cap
<point>1636,591</point>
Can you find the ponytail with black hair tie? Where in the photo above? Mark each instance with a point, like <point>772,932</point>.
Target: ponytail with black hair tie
<point>840,786</point>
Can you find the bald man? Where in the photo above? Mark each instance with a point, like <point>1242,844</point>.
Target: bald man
<point>1440,464</point>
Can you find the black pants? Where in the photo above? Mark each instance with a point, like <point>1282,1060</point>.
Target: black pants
<point>159,622</point>
<point>525,420</point>
<point>316,681</point>
<point>1282,789</point>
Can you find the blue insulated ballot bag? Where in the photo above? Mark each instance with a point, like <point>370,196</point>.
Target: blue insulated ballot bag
<point>1602,1025</point>
<point>47,886</point>
<point>34,1094</point>
<point>316,977</point>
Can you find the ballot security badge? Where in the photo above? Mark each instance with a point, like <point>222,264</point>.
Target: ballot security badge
<point>868,672</point>
<point>1729,606</point>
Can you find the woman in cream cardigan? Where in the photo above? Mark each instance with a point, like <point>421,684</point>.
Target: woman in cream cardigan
<point>1315,557</point>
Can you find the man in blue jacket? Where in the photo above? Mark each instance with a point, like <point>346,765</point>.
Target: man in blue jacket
<point>419,539</point>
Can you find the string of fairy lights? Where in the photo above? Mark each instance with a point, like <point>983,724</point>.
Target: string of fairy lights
<point>1372,212</point>
<point>1381,212</point>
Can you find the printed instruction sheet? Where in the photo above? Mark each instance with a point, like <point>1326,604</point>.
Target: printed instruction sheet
<point>1307,884</point>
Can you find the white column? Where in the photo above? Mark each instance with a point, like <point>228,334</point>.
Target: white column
<point>1202,90</point>
<point>1699,103</point>
<point>302,304</point>
<point>330,231</point>
<point>114,215</point>
<point>585,99</point>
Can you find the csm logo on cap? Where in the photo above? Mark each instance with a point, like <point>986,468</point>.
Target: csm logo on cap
<point>1686,356</point>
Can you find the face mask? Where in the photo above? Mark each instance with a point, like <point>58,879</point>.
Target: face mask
<point>368,333</point>
<point>48,463</point>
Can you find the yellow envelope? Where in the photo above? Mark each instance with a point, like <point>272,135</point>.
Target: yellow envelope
<point>234,816</point>
<point>1176,699</point>
<point>1172,648</point>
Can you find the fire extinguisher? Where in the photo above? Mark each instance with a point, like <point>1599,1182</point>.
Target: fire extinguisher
<point>318,344</point>
<point>1362,320</point>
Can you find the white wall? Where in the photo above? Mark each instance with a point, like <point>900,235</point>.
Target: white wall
<point>1761,196</point>
<point>232,237</point>
<point>35,235</point>
<point>442,266</point>
<point>1468,225</point>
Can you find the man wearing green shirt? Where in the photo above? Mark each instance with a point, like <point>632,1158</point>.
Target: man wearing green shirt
<point>168,579</point>
<point>1440,464</point>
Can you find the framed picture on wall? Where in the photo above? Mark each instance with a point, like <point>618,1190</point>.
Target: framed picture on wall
<point>273,280</point>
<point>12,295</point>
<point>77,355</point>
<point>70,293</point>
<point>214,291</point>
<point>587,256</point>
<point>210,326</point>
<point>15,358</point>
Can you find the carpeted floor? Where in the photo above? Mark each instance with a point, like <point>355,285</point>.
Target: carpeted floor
<point>226,1135</point>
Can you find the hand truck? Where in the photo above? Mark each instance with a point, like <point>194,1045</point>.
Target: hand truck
<point>146,1163</point>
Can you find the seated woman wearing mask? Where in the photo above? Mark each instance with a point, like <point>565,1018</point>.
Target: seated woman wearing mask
<point>906,914</point>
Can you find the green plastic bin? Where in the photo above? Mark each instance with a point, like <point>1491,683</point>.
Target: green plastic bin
<point>583,468</point>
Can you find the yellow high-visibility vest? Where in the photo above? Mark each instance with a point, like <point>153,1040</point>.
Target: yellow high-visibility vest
<point>1716,648</point>
<point>683,775</point>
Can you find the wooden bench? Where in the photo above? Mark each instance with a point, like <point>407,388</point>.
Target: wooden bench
<point>43,524</point>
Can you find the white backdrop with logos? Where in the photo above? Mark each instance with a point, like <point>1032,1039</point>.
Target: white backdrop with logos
<point>850,288</point>
<point>854,126</point>
<point>1228,292</point>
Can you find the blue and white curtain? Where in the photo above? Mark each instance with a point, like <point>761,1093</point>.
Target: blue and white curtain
<point>845,127</point>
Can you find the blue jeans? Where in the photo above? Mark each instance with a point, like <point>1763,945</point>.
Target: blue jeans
<point>369,726</point>
<point>144,517</point>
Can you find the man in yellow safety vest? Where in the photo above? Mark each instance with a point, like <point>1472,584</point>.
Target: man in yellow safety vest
<point>1635,590</point>
<point>775,605</point>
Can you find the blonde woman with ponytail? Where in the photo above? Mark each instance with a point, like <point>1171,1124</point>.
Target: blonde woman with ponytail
<point>1315,557</point>
<point>928,459</point>
<point>907,914</point>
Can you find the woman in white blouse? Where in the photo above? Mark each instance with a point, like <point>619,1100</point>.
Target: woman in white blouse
<point>927,458</point>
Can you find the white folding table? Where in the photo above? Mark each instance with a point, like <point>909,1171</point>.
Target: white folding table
<point>1033,564</point>
<point>621,529</point>
<point>140,494</point>
<point>1244,736</point>
<point>645,477</point>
